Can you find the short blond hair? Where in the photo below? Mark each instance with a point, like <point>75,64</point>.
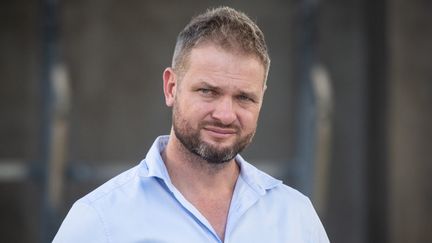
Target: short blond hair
<point>224,27</point>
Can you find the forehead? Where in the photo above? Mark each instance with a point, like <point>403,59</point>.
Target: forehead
<point>214,62</point>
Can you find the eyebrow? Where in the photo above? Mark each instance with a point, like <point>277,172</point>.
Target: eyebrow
<point>207,85</point>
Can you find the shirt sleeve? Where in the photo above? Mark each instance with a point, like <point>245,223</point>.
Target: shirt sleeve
<point>319,234</point>
<point>82,224</point>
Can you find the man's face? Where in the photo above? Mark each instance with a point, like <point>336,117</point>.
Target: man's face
<point>217,102</point>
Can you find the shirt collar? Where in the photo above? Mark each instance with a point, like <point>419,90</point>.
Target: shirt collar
<point>153,166</point>
<point>256,179</point>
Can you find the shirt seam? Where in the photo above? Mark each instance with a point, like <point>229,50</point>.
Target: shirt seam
<point>100,217</point>
<point>105,193</point>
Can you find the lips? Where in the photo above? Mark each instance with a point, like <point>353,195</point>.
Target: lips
<point>220,132</point>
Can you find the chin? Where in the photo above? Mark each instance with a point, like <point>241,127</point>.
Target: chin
<point>220,144</point>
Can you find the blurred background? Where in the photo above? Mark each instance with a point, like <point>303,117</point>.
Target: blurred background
<point>346,117</point>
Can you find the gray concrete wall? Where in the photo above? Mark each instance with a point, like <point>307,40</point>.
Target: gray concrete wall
<point>19,115</point>
<point>19,79</point>
<point>410,127</point>
<point>343,50</point>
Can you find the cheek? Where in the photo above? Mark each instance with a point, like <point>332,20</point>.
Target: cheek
<point>196,110</point>
<point>248,119</point>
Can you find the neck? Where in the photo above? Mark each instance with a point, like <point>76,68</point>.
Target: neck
<point>190,172</point>
<point>208,187</point>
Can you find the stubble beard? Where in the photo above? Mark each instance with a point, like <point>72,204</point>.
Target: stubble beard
<point>190,138</point>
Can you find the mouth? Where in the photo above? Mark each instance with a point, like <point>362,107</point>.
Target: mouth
<point>219,132</point>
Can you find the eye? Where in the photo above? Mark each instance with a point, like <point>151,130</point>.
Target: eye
<point>206,92</point>
<point>244,98</point>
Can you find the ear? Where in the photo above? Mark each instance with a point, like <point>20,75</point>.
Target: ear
<point>169,86</point>
<point>263,93</point>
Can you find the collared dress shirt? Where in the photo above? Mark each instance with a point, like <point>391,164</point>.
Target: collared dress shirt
<point>142,205</point>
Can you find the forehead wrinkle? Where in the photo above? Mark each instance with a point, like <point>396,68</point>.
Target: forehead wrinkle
<point>234,73</point>
<point>219,67</point>
<point>232,77</point>
<point>229,55</point>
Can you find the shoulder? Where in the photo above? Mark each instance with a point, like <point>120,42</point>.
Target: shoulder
<point>285,192</point>
<point>88,219</point>
<point>120,184</point>
<point>288,197</point>
<point>269,186</point>
<point>292,204</point>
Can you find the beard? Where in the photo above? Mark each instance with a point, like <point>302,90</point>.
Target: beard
<point>192,141</point>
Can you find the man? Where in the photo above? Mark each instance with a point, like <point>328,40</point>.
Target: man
<point>193,186</point>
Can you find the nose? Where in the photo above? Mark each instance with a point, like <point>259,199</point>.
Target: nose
<point>224,111</point>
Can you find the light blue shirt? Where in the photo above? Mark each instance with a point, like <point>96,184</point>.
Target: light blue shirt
<point>142,205</point>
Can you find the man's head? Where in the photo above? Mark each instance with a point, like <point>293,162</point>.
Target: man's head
<point>223,27</point>
<point>217,84</point>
